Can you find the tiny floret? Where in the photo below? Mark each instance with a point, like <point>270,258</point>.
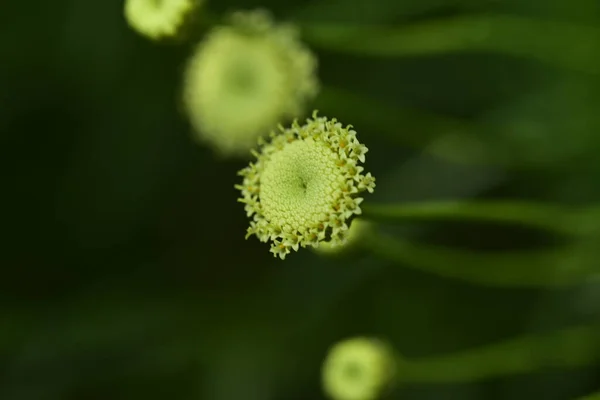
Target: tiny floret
<point>304,187</point>
<point>158,19</point>
<point>244,78</point>
<point>358,369</point>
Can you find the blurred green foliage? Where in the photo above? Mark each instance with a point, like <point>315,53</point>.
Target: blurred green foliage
<point>125,269</point>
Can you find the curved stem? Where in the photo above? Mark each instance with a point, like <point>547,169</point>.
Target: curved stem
<point>535,215</point>
<point>567,348</point>
<point>551,268</point>
<point>572,46</point>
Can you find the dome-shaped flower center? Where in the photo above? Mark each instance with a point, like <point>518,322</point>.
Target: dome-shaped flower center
<point>299,184</point>
<point>252,71</point>
<point>159,18</point>
<point>242,78</point>
<point>358,369</point>
<point>305,185</point>
<point>236,82</point>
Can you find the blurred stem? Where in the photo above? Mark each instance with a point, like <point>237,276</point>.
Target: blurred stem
<point>567,348</point>
<point>567,45</point>
<point>550,268</point>
<point>535,215</point>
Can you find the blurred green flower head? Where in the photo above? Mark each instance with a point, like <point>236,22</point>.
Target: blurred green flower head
<point>246,77</point>
<point>158,19</point>
<point>358,369</point>
<point>303,188</point>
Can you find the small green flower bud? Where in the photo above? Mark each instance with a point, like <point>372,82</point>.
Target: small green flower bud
<point>304,187</point>
<point>244,78</point>
<point>358,369</point>
<point>159,19</point>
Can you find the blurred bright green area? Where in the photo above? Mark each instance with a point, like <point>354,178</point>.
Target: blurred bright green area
<point>125,269</point>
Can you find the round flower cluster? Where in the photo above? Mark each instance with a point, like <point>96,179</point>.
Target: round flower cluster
<point>158,19</point>
<point>358,369</point>
<point>244,78</point>
<point>303,188</point>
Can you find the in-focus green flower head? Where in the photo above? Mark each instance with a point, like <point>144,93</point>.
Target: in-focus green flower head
<point>305,185</point>
<point>160,19</point>
<point>357,229</point>
<point>244,78</point>
<point>359,368</point>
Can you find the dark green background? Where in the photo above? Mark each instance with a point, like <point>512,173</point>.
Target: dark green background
<point>125,273</point>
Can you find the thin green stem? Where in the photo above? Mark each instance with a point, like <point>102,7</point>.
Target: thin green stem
<point>551,268</point>
<point>567,348</point>
<point>536,215</point>
<point>566,45</point>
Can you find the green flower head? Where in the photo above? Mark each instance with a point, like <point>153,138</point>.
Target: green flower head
<point>304,187</point>
<point>358,369</point>
<point>244,78</point>
<point>158,19</point>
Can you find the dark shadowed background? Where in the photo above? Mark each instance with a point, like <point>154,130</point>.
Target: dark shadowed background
<point>125,273</point>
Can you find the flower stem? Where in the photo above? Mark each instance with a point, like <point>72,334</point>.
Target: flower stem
<point>536,215</point>
<point>572,46</point>
<point>567,348</point>
<point>550,268</point>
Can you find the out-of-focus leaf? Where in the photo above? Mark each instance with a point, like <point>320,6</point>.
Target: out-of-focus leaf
<point>562,44</point>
